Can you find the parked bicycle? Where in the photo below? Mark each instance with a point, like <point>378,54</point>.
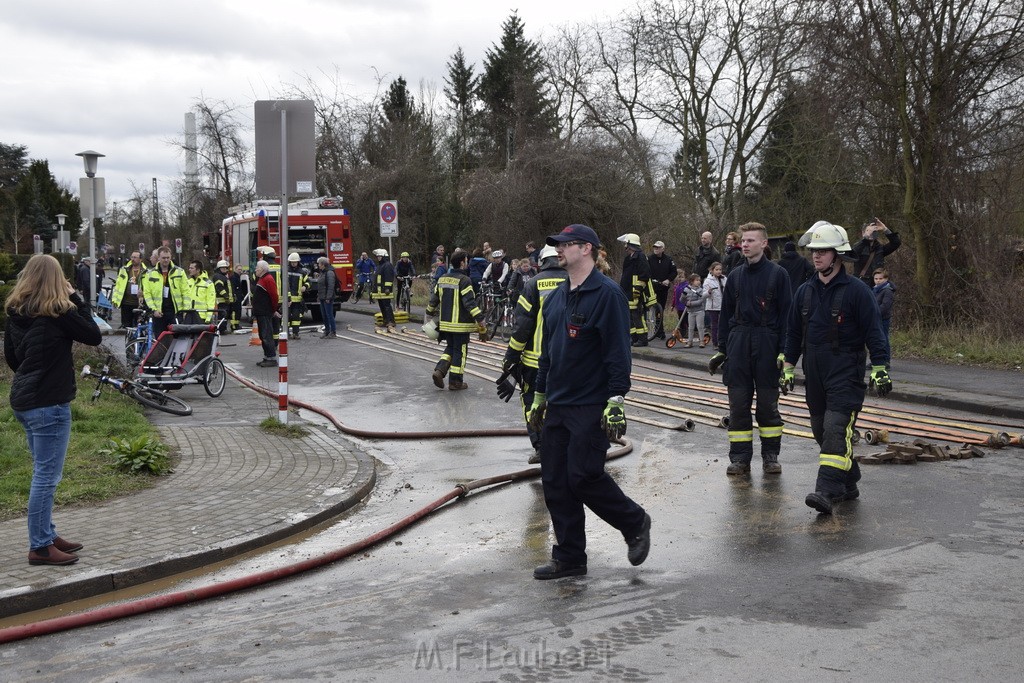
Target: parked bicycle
<point>138,340</point>
<point>147,396</point>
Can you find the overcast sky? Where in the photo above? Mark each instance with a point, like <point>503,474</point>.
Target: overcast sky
<point>117,76</point>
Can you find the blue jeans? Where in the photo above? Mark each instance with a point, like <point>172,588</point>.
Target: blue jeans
<point>48,430</point>
<point>327,313</point>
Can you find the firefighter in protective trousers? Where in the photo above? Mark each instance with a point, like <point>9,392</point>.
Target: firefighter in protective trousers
<point>751,336</point>
<point>523,354</point>
<point>383,289</point>
<point>225,294</point>
<point>635,282</point>
<point>834,317</point>
<point>454,301</point>
<point>298,283</point>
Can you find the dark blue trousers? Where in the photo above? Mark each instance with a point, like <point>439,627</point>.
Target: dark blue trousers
<point>573,449</point>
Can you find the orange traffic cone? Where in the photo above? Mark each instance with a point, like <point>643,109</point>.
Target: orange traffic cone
<point>254,338</point>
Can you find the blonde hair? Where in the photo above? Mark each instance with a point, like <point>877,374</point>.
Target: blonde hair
<point>42,289</point>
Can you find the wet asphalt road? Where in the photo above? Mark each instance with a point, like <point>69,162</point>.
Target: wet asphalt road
<point>919,580</point>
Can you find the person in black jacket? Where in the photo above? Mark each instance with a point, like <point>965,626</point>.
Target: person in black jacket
<point>44,316</point>
<point>833,325</point>
<point>579,405</point>
<point>751,337</point>
<point>663,274</point>
<point>705,256</point>
<point>635,281</point>
<point>800,269</point>
<point>454,303</point>
<point>869,253</point>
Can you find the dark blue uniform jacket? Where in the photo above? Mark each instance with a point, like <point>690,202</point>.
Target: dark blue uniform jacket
<point>586,354</point>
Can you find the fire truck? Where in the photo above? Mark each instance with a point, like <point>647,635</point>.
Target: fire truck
<point>316,227</point>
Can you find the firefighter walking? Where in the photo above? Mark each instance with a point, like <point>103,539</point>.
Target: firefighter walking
<point>751,337</point>
<point>523,353</point>
<point>298,283</point>
<point>635,281</point>
<point>454,301</point>
<point>834,317</point>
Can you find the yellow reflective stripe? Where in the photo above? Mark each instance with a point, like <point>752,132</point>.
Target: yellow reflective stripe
<point>516,345</point>
<point>849,437</point>
<point>525,303</point>
<point>741,436</point>
<point>770,431</point>
<point>838,461</point>
<point>461,370</point>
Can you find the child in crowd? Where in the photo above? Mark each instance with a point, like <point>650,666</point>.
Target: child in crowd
<point>885,292</point>
<point>679,287</point>
<point>714,285</point>
<point>695,298</point>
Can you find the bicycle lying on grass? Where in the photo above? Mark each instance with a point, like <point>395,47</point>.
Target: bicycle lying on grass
<point>147,396</point>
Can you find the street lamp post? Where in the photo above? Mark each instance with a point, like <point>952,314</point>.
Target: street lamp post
<point>91,160</point>
<point>61,217</point>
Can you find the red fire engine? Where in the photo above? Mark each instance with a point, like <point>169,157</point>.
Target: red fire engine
<point>316,227</point>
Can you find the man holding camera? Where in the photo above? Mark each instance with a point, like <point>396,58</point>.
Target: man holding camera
<point>869,253</point>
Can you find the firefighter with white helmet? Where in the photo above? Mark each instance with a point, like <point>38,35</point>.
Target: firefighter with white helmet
<point>384,288</point>
<point>833,318</point>
<point>298,283</point>
<point>225,293</point>
<point>636,283</point>
<point>523,354</point>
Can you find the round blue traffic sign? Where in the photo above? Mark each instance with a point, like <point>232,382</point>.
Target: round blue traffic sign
<point>388,212</point>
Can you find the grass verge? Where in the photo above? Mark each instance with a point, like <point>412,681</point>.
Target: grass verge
<point>274,426</point>
<point>88,475</point>
<point>963,346</point>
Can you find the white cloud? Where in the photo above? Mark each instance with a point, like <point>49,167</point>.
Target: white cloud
<point>118,76</point>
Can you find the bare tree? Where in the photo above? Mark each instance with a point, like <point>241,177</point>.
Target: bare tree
<point>719,67</point>
<point>940,87</point>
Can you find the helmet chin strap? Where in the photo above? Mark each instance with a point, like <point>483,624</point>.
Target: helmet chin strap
<point>831,266</point>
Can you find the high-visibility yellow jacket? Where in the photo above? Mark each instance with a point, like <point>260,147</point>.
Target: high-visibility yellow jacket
<point>177,283</point>
<point>125,279</point>
<point>202,297</point>
<point>530,314</point>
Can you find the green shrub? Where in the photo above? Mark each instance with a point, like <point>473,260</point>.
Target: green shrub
<point>140,455</point>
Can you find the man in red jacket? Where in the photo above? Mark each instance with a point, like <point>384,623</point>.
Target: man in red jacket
<point>266,311</point>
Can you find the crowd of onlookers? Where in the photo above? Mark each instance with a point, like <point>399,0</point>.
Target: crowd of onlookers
<point>695,296</point>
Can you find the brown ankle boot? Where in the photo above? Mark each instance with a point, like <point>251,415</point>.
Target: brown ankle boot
<point>50,555</point>
<point>66,546</point>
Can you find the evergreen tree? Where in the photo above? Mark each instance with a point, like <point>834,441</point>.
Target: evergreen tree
<point>513,91</point>
<point>460,90</point>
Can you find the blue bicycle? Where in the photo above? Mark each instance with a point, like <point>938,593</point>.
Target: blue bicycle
<point>138,340</point>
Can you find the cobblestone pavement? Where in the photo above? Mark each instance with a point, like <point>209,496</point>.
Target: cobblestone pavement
<point>235,488</point>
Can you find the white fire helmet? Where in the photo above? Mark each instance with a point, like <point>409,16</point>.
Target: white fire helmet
<point>630,239</point>
<point>293,257</point>
<point>380,252</point>
<point>223,264</point>
<point>825,235</point>
<point>547,251</point>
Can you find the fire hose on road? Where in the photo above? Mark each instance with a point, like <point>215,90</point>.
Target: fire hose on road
<point>151,604</point>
